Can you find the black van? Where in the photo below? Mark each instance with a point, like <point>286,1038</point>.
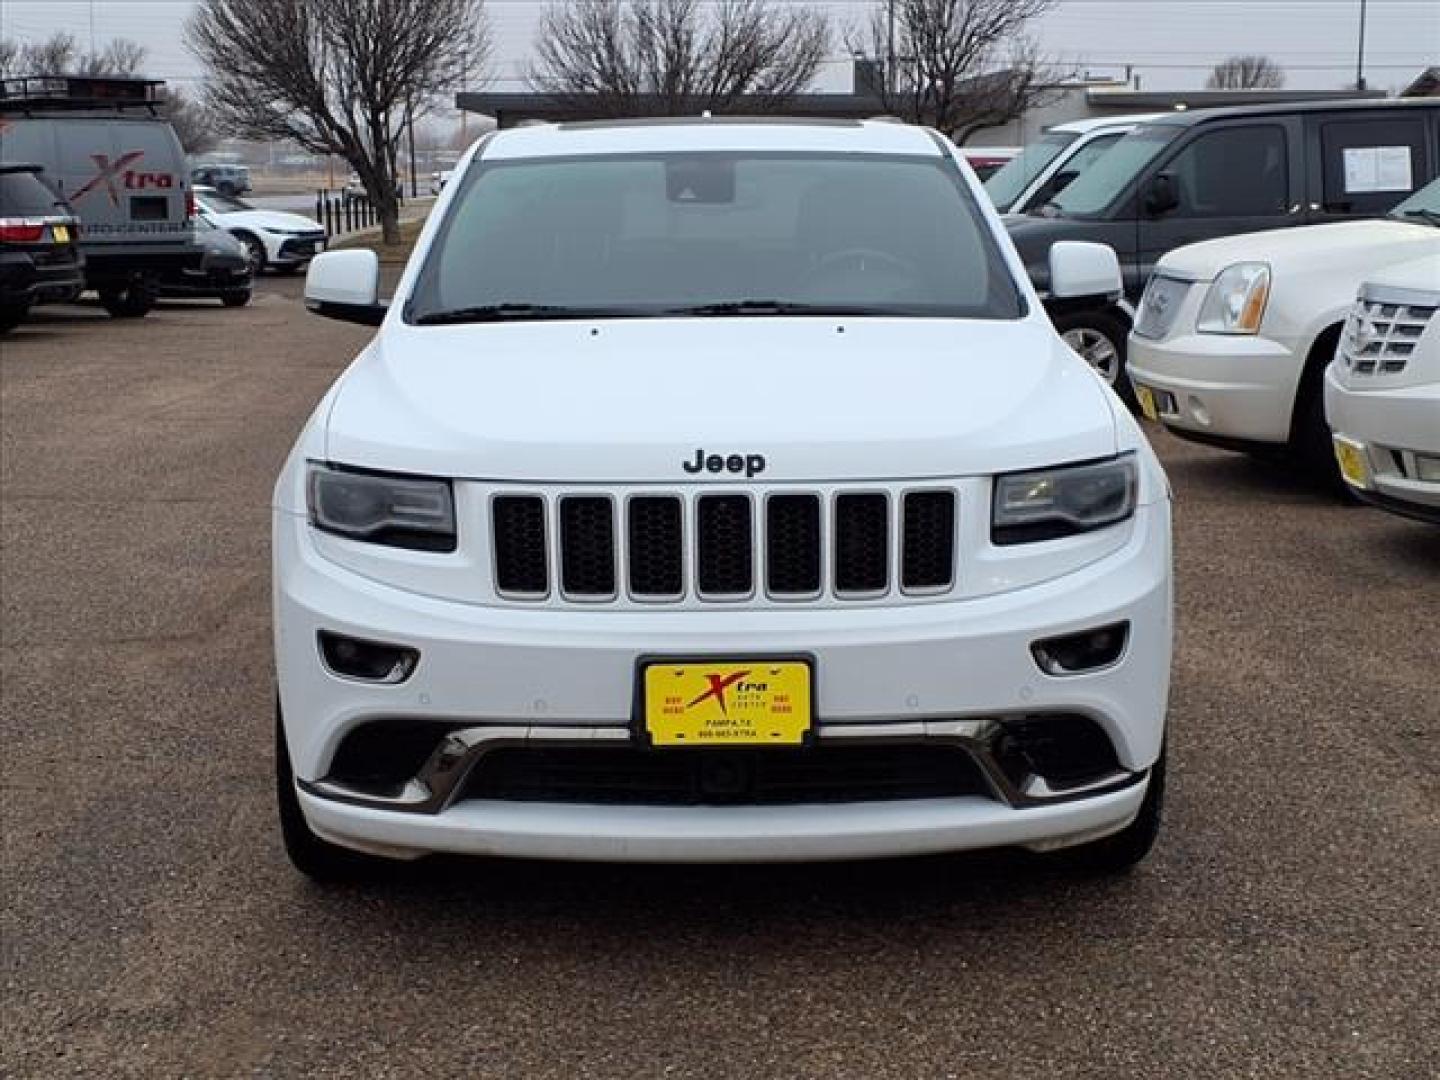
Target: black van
<point>1199,175</point>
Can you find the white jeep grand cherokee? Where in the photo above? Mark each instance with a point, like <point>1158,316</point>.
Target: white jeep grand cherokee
<point>718,490</point>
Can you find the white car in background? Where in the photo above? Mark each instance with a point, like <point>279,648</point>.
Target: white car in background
<point>1047,165</point>
<point>272,238</point>
<point>1233,336</point>
<point>438,180</point>
<point>1382,391</point>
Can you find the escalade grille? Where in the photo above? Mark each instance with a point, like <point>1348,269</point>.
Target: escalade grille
<point>724,546</point>
<point>1379,337</point>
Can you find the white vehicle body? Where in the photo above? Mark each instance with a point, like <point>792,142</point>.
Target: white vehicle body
<point>1018,186</point>
<point>1382,391</point>
<point>1260,387</point>
<point>622,408</point>
<point>273,238</point>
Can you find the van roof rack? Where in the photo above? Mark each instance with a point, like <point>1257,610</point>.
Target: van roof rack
<point>53,93</point>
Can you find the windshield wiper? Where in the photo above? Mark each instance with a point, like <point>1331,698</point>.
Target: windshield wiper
<point>775,307</point>
<point>1430,216</point>
<point>510,312</point>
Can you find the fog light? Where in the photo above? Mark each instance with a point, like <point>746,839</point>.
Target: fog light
<point>1089,650</point>
<point>369,661</point>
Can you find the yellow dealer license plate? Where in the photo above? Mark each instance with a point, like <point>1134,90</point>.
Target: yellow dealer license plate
<point>60,233</point>
<point>1353,466</point>
<point>764,702</point>
<point>1147,402</point>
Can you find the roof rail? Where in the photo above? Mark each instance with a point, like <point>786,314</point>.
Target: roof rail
<point>61,92</point>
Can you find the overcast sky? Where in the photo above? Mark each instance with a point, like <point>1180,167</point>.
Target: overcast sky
<point>1171,43</point>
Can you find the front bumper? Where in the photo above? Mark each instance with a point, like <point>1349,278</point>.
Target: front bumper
<point>296,249</point>
<point>937,673</point>
<point>1237,388</point>
<point>1394,434</point>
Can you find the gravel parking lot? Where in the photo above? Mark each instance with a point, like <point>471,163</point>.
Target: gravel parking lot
<point>1286,926</point>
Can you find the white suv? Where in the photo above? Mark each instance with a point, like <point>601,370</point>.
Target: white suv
<point>718,490</point>
<point>1233,336</point>
<point>1382,392</point>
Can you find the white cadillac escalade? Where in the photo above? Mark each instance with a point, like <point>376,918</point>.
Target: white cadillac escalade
<point>718,490</point>
<point>1382,392</point>
<point>1233,336</point>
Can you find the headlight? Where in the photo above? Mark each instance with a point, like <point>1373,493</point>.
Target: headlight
<point>1235,303</point>
<point>1050,503</point>
<point>401,511</point>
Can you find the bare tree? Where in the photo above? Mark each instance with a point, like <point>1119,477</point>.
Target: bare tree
<point>56,55</point>
<point>1250,72</point>
<point>121,57</point>
<point>193,124</point>
<point>60,54</point>
<point>336,76</point>
<point>668,57</point>
<point>11,53</point>
<point>959,65</point>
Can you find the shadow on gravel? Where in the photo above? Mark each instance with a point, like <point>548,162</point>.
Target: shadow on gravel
<point>1414,544</point>
<point>1247,477</point>
<point>1002,890</point>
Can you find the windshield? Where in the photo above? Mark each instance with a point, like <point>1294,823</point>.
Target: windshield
<point>1423,205</point>
<point>714,234</point>
<point>1005,185</point>
<point>1106,180</point>
<point>223,204</point>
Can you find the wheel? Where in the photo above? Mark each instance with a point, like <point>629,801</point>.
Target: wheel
<point>133,300</point>
<point>11,316</point>
<point>1099,337</point>
<point>237,298</point>
<point>1122,851</point>
<point>290,269</point>
<point>254,252</point>
<point>315,858</point>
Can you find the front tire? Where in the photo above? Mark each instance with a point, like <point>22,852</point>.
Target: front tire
<point>238,298</point>
<point>12,315</point>
<point>1121,852</point>
<point>1100,338</point>
<point>133,300</point>
<point>254,253</point>
<point>317,859</point>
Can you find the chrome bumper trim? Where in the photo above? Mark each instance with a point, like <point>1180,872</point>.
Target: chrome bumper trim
<point>443,775</point>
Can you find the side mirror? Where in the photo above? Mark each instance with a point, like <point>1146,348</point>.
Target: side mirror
<point>345,285</point>
<point>1079,268</point>
<point>1162,195</point>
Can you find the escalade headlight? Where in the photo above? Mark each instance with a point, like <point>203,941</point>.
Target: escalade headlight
<point>1049,503</point>
<point>401,511</point>
<point>1236,301</point>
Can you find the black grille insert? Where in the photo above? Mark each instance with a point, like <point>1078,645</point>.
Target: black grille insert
<point>792,544</point>
<point>726,547</point>
<point>628,775</point>
<point>862,543</point>
<point>928,551</point>
<point>656,546</point>
<point>519,536</point>
<point>587,546</point>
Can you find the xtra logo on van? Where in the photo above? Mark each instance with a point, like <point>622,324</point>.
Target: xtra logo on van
<point>111,171</point>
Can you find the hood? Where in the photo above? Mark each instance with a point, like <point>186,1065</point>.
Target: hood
<point>1421,275</point>
<point>271,219</point>
<point>634,400</point>
<point>1337,243</point>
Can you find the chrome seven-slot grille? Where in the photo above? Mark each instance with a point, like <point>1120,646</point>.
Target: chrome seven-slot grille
<point>1379,337</point>
<point>724,545</point>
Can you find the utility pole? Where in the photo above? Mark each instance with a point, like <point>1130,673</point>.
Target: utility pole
<point>890,48</point>
<point>92,27</point>
<point>1360,58</point>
